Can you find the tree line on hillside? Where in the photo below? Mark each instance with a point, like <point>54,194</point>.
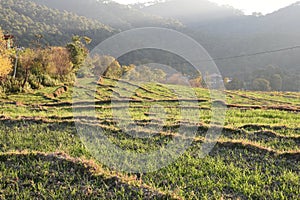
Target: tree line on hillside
<point>34,68</point>
<point>26,19</point>
<point>120,17</point>
<point>269,78</point>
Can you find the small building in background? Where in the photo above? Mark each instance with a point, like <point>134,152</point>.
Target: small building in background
<point>9,41</point>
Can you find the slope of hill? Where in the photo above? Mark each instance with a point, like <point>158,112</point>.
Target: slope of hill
<point>225,32</point>
<point>25,19</point>
<point>192,12</point>
<point>274,31</point>
<point>284,20</point>
<point>111,13</point>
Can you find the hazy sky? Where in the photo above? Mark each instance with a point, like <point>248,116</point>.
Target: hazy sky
<point>248,6</point>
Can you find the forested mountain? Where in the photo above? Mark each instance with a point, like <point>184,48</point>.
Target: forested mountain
<point>223,31</point>
<point>26,19</point>
<point>250,34</point>
<point>226,32</point>
<point>116,15</point>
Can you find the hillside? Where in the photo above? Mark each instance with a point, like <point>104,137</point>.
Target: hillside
<point>223,31</point>
<point>192,12</point>
<point>226,32</point>
<point>115,15</point>
<point>25,19</point>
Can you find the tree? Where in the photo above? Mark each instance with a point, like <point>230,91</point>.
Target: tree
<point>291,82</point>
<point>159,75</point>
<point>5,61</point>
<point>131,75</point>
<point>5,66</point>
<point>177,79</point>
<point>234,84</point>
<point>114,70</point>
<point>257,14</point>
<point>78,51</point>
<point>261,84</point>
<point>127,69</point>
<point>59,63</point>
<point>196,82</point>
<point>146,73</point>
<point>27,60</point>
<point>276,82</point>
<point>101,63</point>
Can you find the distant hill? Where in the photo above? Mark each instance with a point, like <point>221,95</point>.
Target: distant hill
<point>226,32</point>
<point>192,12</point>
<point>25,19</point>
<point>118,16</point>
<point>251,34</point>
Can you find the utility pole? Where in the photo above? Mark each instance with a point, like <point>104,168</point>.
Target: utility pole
<point>16,63</point>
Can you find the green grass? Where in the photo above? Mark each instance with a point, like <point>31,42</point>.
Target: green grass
<point>256,157</point>
<point>46,176</point>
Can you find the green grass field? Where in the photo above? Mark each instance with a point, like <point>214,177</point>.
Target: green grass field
<point>256,157</point>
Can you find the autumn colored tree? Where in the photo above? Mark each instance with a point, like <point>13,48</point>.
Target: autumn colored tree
<point>58,62</point>
<point>158,75</point>
<point>27,60</point>
<point>127,69</point>
<point>5,61</point>
<point>196,82</point>
<point>5,66</point>
<point>114,70</point>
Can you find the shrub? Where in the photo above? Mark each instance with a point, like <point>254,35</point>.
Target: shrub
<point>11,85</point>
<point>48,81</point>
<point>34,82</point>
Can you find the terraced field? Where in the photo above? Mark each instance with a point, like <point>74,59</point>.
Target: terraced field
<point>257,155</point>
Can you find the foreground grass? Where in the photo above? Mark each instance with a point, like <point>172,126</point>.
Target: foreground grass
<point>57,176</point>
<point>231,171</point>
<point>256,157</point>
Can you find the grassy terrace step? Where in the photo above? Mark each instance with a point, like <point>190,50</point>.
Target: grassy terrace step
<point>58,176</point>
<point>266,98</point>
<point>229,173</point>
<point>271,130</point>
<point>256,157</point>
<point>234,118</point>
<point>40,136</point>
<point>264,138</point>
<point>234,169</point>
<point>109,101</point>
<point>95,104</point>
<point>255,132</point>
